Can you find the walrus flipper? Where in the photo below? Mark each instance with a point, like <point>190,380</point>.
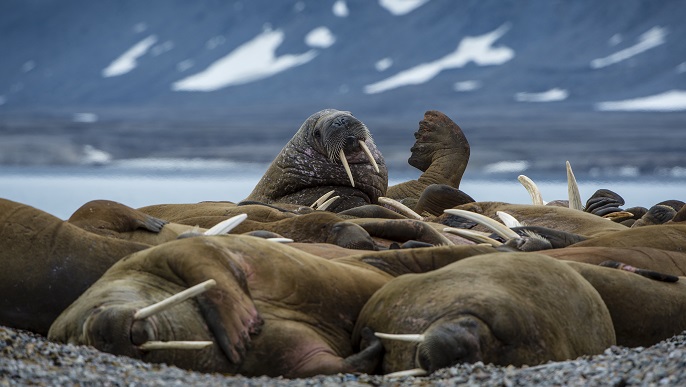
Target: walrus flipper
<point>103,216</point>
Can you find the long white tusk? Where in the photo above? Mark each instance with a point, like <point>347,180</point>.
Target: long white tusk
<point>369,156</point>
<point>532,189</point>
<point>508,220</point>
<point>573,190</point>
<point>412,372</point>
<point>327,203</point>
<point>322,199</point>
<point>227,225</point>
<point>175,299</point>
<point>155,345</point>
<point>413,338</point>
<point>280,240</point>
<point>341,155</point>
<point>403,209</point>
<point>473,236</point>
<point>492,224</point>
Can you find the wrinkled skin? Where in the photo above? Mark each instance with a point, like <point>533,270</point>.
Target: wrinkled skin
<point>502,308</point>
<point>275,310</point>
<point>668,236</point>
<point>441,152</point>
<point>47,263</point>
<point>308,166</point>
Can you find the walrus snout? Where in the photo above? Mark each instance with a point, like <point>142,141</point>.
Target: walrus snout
<point>111,329</point>
<point>450,343</point>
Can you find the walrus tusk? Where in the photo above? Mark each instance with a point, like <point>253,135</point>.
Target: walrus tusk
<point>341,155</point>
<point>412,372</point>
<point>508,220</point>
<point>227,225</point>
<point>369,155</point>
<point>327,203</point>
<point>573,190</point>
<point>280,240</point>
<point>532,189</point>
<point>155,345</point>
<point>492,224</point>
<point>175,299</point>
<point>322,199</point>
<point>473,236</point>
<point>401,208</point>
<point>413,338</point>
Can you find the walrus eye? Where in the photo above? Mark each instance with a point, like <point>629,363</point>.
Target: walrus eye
<point>317,134</point>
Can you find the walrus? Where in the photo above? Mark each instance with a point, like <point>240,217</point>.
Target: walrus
<point>332,150</point>
<point>501,308</point>
<point>275,310</point>
<point>47,263</point>
<point>441,152</point>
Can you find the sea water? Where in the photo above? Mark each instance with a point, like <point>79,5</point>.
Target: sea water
<point>137,183</point>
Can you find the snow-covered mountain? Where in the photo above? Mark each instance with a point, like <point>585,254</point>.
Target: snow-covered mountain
<point>269,64</point>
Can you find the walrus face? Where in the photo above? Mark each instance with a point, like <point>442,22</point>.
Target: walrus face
<point>340,137</point>
<point>447,343</point>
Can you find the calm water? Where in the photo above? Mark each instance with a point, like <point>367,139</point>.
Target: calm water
<point>60,191</point>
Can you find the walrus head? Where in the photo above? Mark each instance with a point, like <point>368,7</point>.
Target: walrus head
<point>332,150</point>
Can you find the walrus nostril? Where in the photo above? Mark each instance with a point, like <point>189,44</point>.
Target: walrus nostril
<point>340,122</point>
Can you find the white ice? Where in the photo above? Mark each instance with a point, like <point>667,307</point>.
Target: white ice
<point>251,61</point>
<point>551,95</point>
<point>401,7</point>
<point>466,85</point>
<point>320,37</point>
<point>127,61</point>
<point>672,100</point>
<point>649,39</point>
<point>477,49</point>
<point>507,166</point>
<point>340,8</point>
<point>383,64</point>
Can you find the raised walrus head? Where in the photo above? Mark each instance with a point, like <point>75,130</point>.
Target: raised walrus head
<point>332,150</point>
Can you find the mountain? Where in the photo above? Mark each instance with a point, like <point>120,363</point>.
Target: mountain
<point>604,81</point>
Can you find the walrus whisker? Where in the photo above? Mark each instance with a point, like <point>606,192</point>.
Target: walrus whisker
<point>473,236</point>
<point>532,189</point>
<point>322,199</point>
<point>410,337</point>
<point>492,224</point>
<point>369,155</point>
<point>327,203</point>
<point>412,372</point>
<point>508,220</point>
<point>227,225</point>
<point>280,240</point>
<point>156,345</point>
<point>341,155</point>
<point>401,208</point>
<point>175,299</point>
<point>573,190</point>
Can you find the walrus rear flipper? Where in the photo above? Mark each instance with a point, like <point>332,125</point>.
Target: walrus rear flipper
<point>101,216</point>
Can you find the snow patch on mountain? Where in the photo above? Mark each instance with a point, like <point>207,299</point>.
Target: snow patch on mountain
<point>251,61</point>
<point>320,37</point>
<point>649,39</point>
<point>127,61</point>
<point>477,49</point>
<point>672,100</point>
<point>467,85</point>
<point>551,95</point>
<point>340,8</point>
<point>401,7</point>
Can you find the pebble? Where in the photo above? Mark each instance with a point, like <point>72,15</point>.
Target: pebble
<point>30,359</point>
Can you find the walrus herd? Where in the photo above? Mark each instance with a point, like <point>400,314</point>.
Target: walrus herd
<point>326,269</point>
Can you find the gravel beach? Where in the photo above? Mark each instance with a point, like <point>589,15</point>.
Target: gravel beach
<point>30,359</point>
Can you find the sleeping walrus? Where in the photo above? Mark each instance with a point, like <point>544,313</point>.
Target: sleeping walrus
<point>501,308</point>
